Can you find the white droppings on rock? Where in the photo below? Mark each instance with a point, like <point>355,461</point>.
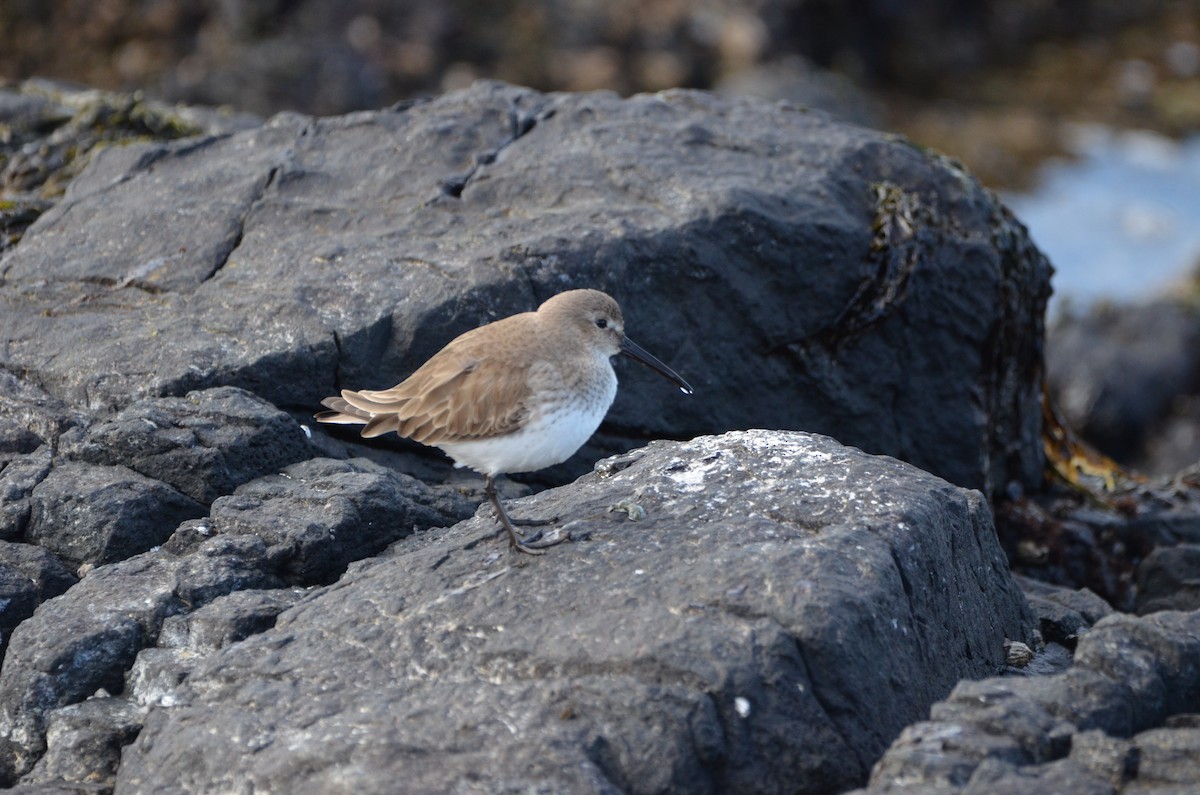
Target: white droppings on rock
<point>742,707</point>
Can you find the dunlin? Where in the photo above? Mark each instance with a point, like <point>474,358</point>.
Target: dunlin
<point>516,395</point>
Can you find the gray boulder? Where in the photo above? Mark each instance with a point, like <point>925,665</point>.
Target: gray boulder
<point>802,273</point>
<point>755,612</point>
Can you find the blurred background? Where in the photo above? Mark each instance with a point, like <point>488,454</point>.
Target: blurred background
<point>1083,114</point>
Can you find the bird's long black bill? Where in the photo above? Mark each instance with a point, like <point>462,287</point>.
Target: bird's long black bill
<point>639,354</point>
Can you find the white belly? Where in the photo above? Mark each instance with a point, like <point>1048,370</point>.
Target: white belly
<point>550,437</point>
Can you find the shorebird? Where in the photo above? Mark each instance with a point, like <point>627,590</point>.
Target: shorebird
<point>517,395</point>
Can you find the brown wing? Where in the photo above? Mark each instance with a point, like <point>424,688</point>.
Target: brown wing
<point>468,390</point>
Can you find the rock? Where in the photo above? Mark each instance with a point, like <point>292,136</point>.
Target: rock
<point>102,514</point>
<point>205,444</point>
<point>318,516</point>
<point>761,245</point>
<point>158,673</point>
<point>1118,372</point>
<point>302,525</point>
<point>1063,733</point>
<point>210,568</point>
<point>227,619</point>
<point>31,422</point>
<point>1169,579</point>
<point>29,416</point>
<point>80,643</point>
<point>84,742</point>
<point>1063,614</point>
<point>750,633</point>
<point>29,576</point>
<point>18,478</point>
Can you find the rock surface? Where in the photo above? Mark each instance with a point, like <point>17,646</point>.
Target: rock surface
<point>801,272</point>
<point>750,633</point>
<point>89,638</point>
<point>1122,719</point>
<point>205,444</point>
<point>784,604</point>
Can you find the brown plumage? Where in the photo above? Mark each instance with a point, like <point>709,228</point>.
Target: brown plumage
<point>515,395</point>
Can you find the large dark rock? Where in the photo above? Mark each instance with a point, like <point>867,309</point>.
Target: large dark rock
<point>755,612</point>
<point>785,609</point>
<point>1169,579</point>
<point>800,272</point>
<point>1121,719</point>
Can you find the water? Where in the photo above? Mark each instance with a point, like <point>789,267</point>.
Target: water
<point>1121,221</point>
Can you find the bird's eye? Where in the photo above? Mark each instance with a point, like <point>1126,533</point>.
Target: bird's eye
<point>601,322</point>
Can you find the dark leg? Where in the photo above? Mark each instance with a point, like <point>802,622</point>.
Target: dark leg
<point>514,540</point>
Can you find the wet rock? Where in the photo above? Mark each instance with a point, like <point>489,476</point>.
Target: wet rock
<point>1169,579</point>
<point>746,634</point>
<point>88,514</point>
<point>204,444</point>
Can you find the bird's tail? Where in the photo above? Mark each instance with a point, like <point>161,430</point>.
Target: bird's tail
<point>343,413</point>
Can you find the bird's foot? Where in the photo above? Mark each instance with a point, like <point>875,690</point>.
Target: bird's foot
<point>538,542</point>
